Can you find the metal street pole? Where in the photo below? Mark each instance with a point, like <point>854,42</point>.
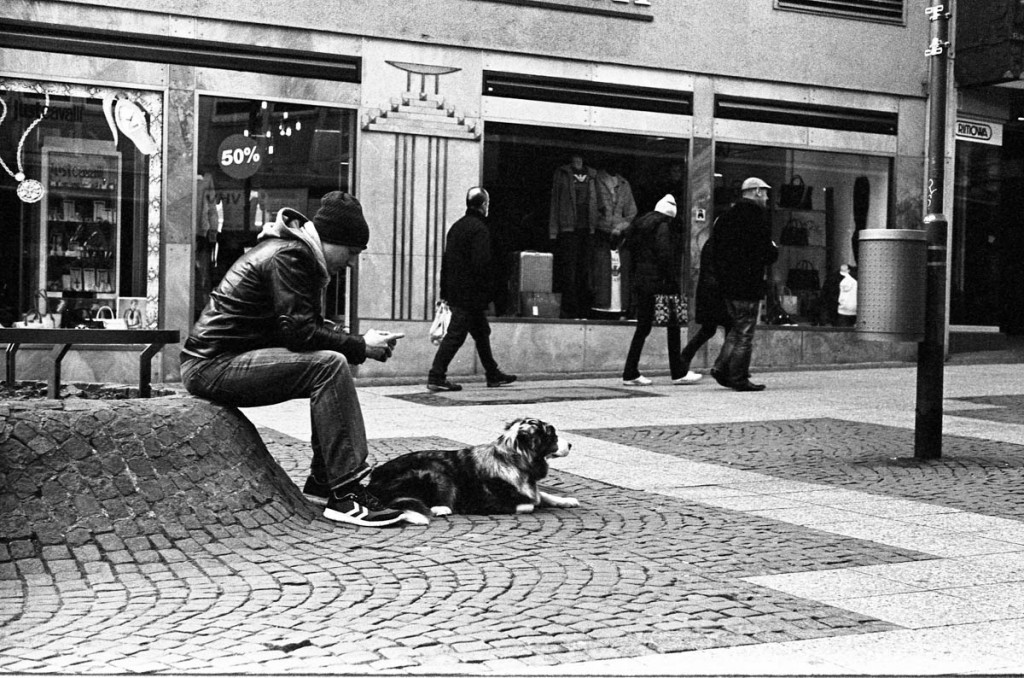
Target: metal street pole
<point>931,352</point>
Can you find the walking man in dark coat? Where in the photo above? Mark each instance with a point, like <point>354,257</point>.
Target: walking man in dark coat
<point>742,250</point>
<point>467,284</point>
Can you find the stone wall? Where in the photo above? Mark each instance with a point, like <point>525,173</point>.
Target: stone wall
<point>87,471</point>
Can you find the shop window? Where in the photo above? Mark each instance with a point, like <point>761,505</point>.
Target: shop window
<point>980,230</point>
<point>80,232</point>
<point>548,188</point>
<point>255,157</point>
<point>818,203</point>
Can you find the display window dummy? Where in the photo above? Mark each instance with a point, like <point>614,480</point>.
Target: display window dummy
<point>572,223</point>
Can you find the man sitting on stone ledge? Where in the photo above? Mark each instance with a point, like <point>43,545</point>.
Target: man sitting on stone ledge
<point>262,340</point>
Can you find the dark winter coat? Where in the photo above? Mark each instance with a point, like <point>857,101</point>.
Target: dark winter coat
<point>654,243</point>
<point>743,248</point>
<point>467,280</point>
<point>710,303</point>
<point>270,298</point>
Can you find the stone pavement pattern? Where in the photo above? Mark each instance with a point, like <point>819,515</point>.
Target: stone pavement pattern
<point>703,544</point>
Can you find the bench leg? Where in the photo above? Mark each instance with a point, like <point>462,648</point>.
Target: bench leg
<point>12,350</point>
<point>57,353</point>
<point>145,372</point>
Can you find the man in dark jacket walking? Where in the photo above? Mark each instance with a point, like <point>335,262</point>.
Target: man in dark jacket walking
<point>467,284</point>
<point>742,249</point>
<point>262,340</point>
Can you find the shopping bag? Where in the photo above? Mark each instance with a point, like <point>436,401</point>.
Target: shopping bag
<point>670,310</point>
<point>442,317</point>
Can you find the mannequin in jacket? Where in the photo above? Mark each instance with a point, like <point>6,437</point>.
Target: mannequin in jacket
<point>571,223</point>
<point>616,209</point>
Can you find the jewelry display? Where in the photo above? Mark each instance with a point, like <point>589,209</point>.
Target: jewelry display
<point>29,190</point>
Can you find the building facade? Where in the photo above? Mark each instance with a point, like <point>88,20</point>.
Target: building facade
<point>165,134</point>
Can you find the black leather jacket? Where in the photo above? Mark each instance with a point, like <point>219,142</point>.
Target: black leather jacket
<point>270,297</point>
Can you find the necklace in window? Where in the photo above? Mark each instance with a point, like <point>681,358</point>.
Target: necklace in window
<point>29,190</point>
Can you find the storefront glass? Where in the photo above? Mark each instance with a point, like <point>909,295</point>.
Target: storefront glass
<point>549,188</point>
<point>818,203</point>
<point>979,229</point>
<point>80,205</point>
<point>255,157</point>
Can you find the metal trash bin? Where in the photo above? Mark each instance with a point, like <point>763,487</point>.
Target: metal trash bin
<point>891,284</point>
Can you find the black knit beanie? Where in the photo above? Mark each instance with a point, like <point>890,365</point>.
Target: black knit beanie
<point>340,221</point>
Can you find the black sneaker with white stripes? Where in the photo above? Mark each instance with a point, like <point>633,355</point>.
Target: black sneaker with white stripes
<point>359,507</point>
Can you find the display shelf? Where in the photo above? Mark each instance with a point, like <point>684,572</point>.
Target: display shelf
<point>79,245</point>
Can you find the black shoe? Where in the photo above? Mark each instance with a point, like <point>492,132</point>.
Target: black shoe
<point>446,385</point>
<point>359,507</point>
<point>720,378</point>
<point>500,379</point>
<point>316,491</point>
<point>747,385</point>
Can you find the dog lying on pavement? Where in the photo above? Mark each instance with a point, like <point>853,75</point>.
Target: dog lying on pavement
<point>497,477</point>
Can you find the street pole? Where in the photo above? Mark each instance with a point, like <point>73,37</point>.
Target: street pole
<point>931,352</point>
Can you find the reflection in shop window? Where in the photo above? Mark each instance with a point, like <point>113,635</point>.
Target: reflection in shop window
<point>556,197</point>
<point>818,203</point>
<point>255,157</point>
<point>92,238</point>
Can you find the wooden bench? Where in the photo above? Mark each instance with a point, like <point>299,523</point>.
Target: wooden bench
<point>63,340</point>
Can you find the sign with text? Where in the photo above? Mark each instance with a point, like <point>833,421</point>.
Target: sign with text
<point>240,156</point>
<point>979,132</point>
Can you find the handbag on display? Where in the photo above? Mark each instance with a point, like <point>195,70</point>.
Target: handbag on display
<point>789,302</point>
<point>106,316</point>
<point>794,233</point>
<point>442,318</point>
<point>796,195</point>
<point>670,310</point>
<point>39,320</point>
<point>803,276</point>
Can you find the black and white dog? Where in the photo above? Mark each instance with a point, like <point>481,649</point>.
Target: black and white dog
<point>498,477</point>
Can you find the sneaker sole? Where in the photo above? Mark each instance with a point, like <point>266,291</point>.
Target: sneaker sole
<point>340,517</point>
<point>442,388</point>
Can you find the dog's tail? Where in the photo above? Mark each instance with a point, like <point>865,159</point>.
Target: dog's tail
<point>414,511</point>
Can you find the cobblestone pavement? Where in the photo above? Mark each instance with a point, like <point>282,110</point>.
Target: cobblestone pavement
<point>981,476</point>
<point>703,544</point>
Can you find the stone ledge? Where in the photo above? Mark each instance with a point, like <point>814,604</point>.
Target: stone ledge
<point>82,471</point>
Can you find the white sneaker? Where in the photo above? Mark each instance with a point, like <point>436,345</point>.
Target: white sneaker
<point>639,381</point>
<point>690,378</point>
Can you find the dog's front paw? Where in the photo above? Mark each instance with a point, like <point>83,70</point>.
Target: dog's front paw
<point>558,502</point>
<point>414,518</point>
<point>524,508</point>
<point>441,510</point>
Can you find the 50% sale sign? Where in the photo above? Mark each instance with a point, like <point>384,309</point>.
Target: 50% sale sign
<point>240,156</point>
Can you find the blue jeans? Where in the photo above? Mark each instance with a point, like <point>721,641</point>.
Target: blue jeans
<point>734,360</point>
<point>268,376</point>
<point>644,322</point>
<point>464,322</point>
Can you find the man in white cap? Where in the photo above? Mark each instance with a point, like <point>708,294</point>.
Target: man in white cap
<point>742,249</point>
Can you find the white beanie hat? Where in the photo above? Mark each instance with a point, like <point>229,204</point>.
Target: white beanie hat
<point>666,206</point>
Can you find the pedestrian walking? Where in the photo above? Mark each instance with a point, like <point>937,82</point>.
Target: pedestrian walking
<point>654,241</point>
<point>741,251</point>
<point>710,312</point>
<point>262,340</point>
<point>467,284</point>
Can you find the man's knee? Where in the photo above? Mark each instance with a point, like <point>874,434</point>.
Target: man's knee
<point>333,364</point>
